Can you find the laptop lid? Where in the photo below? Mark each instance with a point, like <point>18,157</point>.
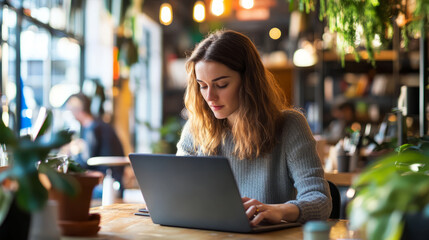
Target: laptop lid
<point>191,191</point>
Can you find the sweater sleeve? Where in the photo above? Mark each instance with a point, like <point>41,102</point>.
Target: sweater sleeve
<point>305,168</point>
<point>185,146</point>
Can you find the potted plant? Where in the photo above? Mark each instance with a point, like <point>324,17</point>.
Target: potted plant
<point>25,190</point>
<point>392,192</point>
<point>73,210</point>
<point>21,190</point>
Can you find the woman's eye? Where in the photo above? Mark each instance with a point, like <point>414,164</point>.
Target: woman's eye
<point>222,86</point>
<point>203,87</point>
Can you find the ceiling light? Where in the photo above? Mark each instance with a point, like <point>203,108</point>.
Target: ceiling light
<point>247,4</point>
<point>199,11</point>
<point>218,7</point>
<point>166,14</point>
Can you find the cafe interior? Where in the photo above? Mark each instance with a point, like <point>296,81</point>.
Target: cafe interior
<point>357,71</point>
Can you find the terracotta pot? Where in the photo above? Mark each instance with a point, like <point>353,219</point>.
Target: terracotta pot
<point>75,209</point>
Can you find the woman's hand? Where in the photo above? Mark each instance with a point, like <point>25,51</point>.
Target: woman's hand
<point>273,213</point>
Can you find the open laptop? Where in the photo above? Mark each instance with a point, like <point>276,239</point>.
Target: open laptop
<point>193,192</point>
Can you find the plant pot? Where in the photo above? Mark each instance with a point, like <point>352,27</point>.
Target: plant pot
<point>16,225</point>
<point>415,227</point>
<point>76,208</point>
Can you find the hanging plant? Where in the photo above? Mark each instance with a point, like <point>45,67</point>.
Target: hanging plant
<point>370,19</point>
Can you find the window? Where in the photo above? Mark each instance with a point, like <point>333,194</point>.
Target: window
<point>47,59</point>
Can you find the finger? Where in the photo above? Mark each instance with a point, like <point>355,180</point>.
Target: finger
<point>251,202</point>
<point>258,218</point>
<point>245,199</point>
<point>251,211</point>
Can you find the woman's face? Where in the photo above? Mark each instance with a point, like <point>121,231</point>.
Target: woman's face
<point>219,86</point>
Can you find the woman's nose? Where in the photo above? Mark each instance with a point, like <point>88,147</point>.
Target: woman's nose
<point>211,94</point>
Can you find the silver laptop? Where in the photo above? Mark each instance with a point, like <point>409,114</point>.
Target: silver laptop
<point>193,192</point>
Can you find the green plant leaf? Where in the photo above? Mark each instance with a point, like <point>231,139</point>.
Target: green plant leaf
<point>60,181</point>
<point>7,136</point>
<point>393,228</point>
<point>368,19</point>
<point>386,190</point>
<point>31,194</point>
<point>74,167</point>
<point>57,140</point>
<point>403,147</point>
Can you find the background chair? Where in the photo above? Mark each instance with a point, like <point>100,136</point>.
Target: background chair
<point>336,201</point>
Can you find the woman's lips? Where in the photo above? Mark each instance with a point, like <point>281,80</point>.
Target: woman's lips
<point>217,108</point>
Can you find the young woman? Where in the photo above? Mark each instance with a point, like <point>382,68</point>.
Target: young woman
<point>237,110</point>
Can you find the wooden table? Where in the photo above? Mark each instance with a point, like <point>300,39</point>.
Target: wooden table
<point>118,222</point>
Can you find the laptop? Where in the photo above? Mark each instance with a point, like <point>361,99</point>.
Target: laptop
<point>193,192</point>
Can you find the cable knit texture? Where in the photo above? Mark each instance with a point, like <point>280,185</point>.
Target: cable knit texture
<point>292,173</point>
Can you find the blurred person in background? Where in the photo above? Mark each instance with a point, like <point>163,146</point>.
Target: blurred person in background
<point>343,114</point>
<point>99,138</point>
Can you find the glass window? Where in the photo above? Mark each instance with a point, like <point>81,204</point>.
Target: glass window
<point>50,65</point>
<point>35,68</point>
<point>9,25</point>
<point>8,71</point>
<point>38,9</point>
<point>15,3</point>
<point>8,100</point>
<point>65,77</point>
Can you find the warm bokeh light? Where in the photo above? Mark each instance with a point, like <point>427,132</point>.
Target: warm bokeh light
<point>356,127</point>
<point>392,118</point>
<point>217,7</point>
<point>247,4</point>
<point>275,33</point>
<point>305,56</point>
<point>376,43</point>
<point>199,11</point>
<point>166,14</point>
<point>350,193</point>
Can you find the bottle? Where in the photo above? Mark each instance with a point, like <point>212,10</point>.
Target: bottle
<point>108,196</point>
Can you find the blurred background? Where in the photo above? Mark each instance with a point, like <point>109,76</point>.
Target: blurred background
<point>129,57</point>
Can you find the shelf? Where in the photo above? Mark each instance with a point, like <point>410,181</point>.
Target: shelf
<point>384,55</point>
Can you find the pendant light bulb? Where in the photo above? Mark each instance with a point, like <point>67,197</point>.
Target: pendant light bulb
<point>218,7</point>
<point>166,14</point>
<point>247,4</point>
<point>199,11</point>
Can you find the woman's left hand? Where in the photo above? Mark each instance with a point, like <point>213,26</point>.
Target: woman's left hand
<point>273,213</point>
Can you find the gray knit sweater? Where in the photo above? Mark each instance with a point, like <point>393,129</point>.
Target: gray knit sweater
<point>292,173</point>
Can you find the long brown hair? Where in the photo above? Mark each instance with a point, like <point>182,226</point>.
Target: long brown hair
<point>261,100</point>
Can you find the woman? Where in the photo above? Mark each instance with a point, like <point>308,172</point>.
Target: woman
<point>236,110</point>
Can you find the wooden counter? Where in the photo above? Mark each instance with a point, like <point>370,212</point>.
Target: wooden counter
<point>118,222</point>
<point>341,178</point>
